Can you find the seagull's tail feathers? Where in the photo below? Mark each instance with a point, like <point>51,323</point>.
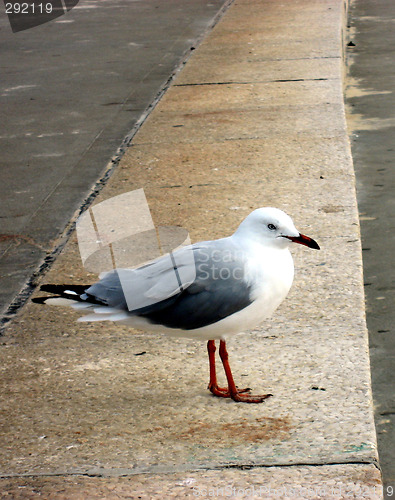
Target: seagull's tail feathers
<point>111,316</point>
<point>76,297</point>
<point>58,301</point>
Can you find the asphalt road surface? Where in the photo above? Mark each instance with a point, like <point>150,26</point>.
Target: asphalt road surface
<point>71,90</point>
<point>371,101</point>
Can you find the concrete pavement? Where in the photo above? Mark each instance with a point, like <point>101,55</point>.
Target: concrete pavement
<point>255,118</point>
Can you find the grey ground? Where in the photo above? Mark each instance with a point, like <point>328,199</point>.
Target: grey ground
<point>371,105</point>
<point>256,117</point>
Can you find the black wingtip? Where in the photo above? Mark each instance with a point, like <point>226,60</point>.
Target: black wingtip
<point>49,288</point>
<point>72,292</point>
<point>61,289</point>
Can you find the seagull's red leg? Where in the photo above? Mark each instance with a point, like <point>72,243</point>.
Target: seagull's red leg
<point>222,392</point>
<point>213,384</point>
<point>236,394</point>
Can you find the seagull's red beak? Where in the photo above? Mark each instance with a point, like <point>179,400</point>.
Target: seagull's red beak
<point>304,240</point>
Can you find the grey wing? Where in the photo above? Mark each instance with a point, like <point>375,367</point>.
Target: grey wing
<point>190,288</point>
<point>134,289</point>
<point>218,291</point>
<point>108,291</point>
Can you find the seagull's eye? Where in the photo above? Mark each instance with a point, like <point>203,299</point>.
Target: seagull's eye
<point>272,227</point>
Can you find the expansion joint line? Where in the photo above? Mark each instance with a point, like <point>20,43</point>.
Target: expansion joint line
<point>253,83</point>
<point>135,472</point>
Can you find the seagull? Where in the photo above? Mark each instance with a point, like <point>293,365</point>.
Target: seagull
<point>208,291</point>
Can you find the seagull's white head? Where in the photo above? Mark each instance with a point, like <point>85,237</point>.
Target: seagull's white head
<point>273,227</point>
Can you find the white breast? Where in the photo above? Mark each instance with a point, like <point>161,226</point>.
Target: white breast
<point>271,275</point>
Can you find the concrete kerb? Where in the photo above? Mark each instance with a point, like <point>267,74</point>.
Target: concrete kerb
<point>255,118</point>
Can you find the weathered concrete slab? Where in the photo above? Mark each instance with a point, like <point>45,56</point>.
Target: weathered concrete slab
<point>215,113</point>
<point>272,41</point>
<point>84,400</point>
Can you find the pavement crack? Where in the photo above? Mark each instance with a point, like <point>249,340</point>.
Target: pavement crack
<point>197,84</point>
<point>120,472</point>
<point>300,464</point>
